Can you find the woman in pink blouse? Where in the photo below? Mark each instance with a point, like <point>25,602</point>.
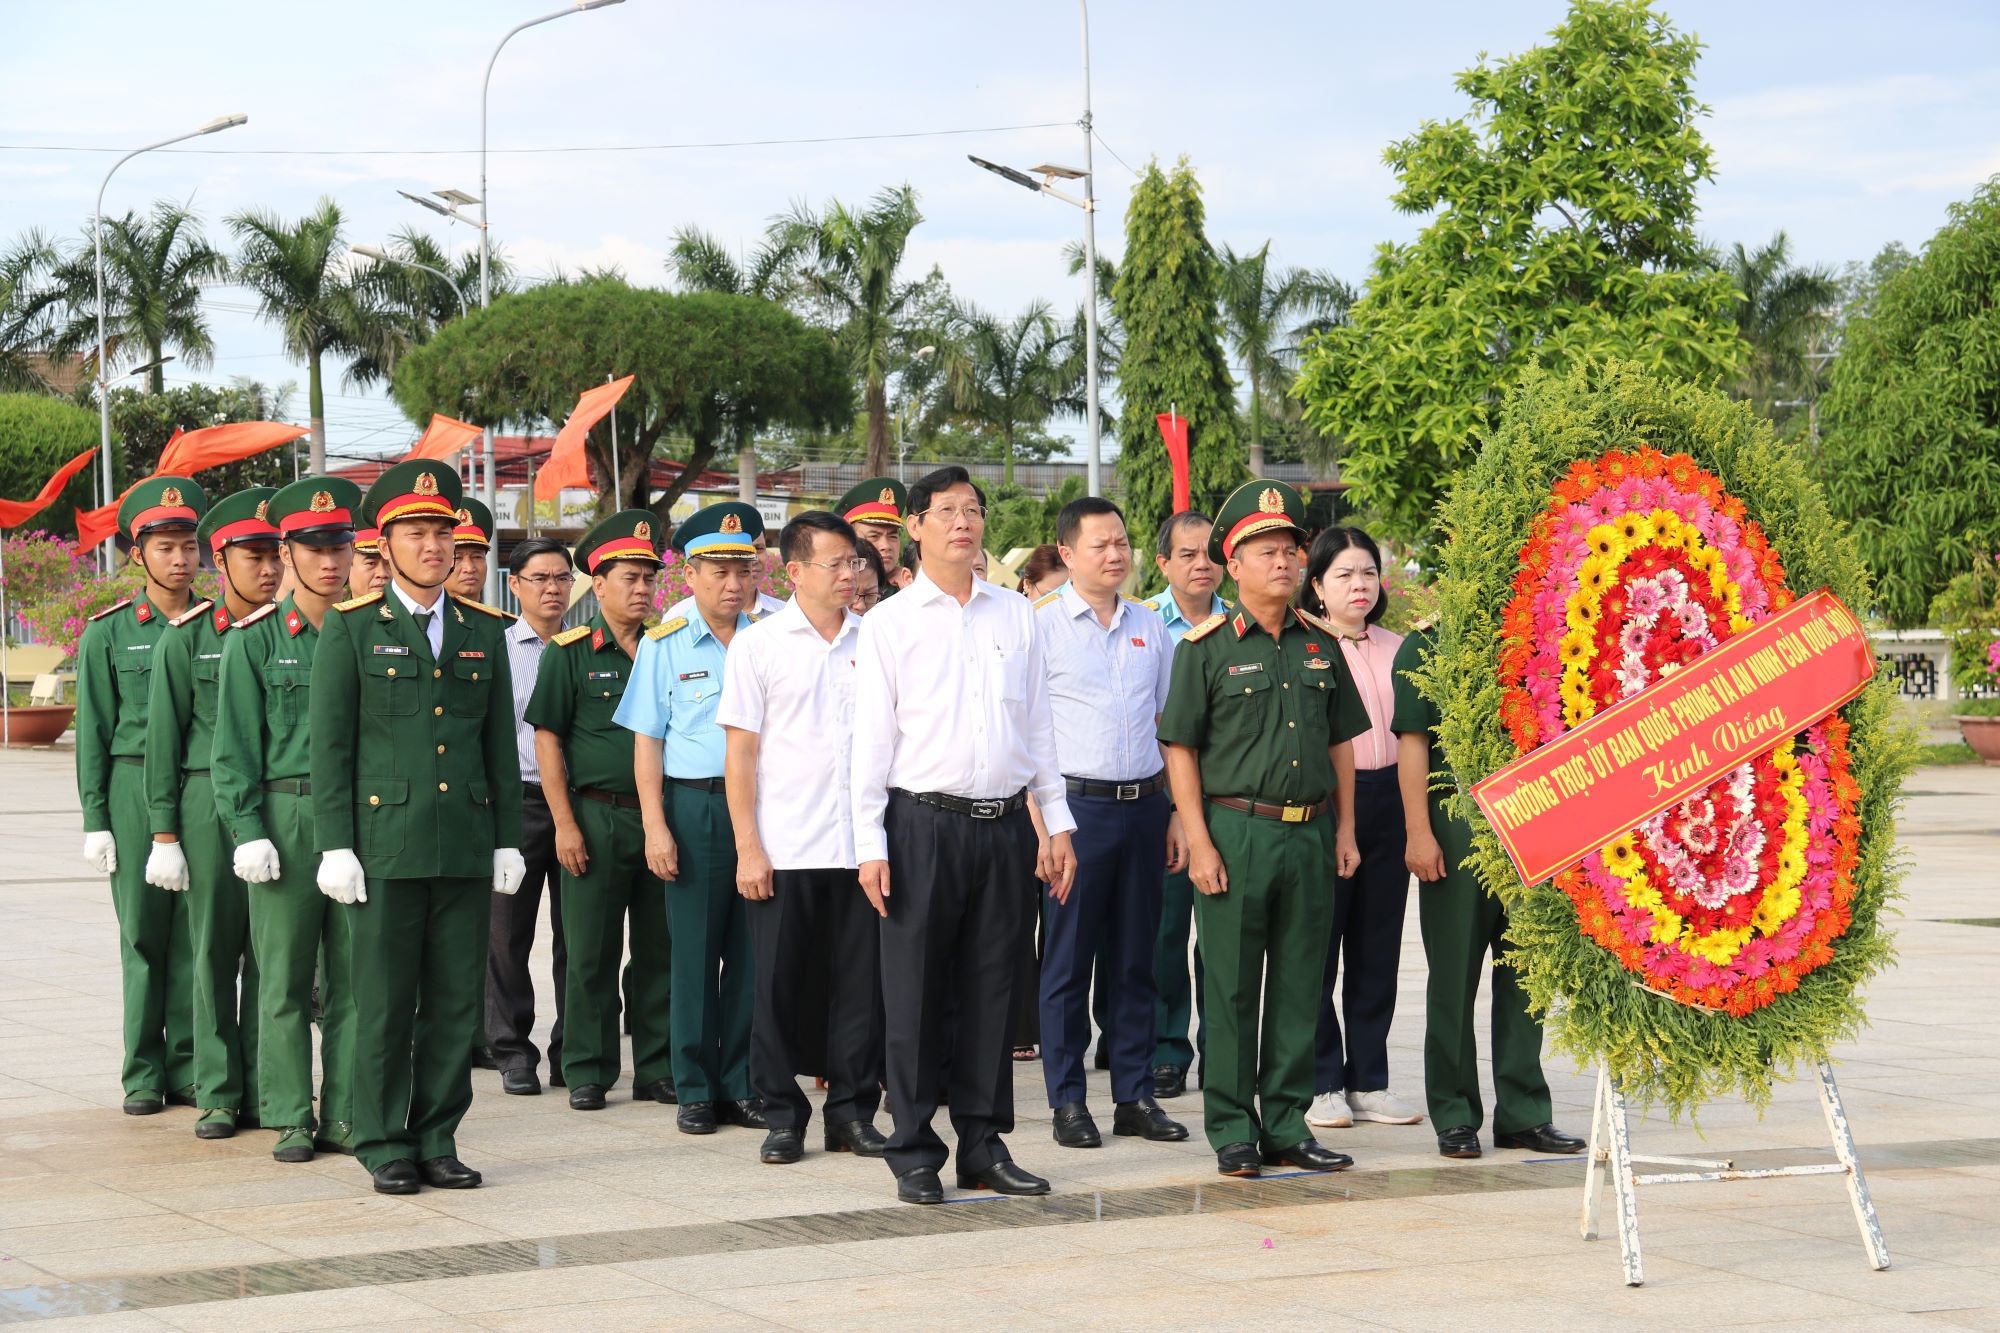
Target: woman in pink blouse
<point>1344,586</point>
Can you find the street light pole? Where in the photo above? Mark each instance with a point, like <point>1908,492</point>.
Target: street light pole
<point>97,244</point>
<point>1092,477</point>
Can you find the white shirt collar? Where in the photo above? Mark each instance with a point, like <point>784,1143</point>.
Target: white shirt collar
<point>930,592</point>
<point>1074,604</point>
<point>412,607</point>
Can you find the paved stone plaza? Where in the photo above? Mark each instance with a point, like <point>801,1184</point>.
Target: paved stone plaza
<point>615,1220</point>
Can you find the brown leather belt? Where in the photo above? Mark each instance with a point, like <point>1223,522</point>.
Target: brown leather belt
<point>1287,814</point>
<point>617,798</point>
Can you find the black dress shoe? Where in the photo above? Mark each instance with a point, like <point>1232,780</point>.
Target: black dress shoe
<point>781,1147</point>
<point>1144,1119</point>
<point>521,1082</point>
<point>144,1103</point>
<point>483,1057</point>
<point>1309,1155</point>
<point>660,1090</point>
<point>1169,1080</point>
<point>587,1097</point>
<point>1239,1159</point>
<point>1074,1128</point>
<point>919,1185</point>
<point>747,1112</point>
<point>448,1173</point>
<point>695,1118</point>
<point>1002,1178</point>
<point>1460,1141</point>
<point>397,1177</point>
<point>1542,1138</point>
<point>856,1136</point>
<point>556,1079</point>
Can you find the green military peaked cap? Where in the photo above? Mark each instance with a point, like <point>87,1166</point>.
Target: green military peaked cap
<point>161,502</point>
<point>1252,509</point>
<point>727,531</point>
<point>241,517</point>
<point>413,488</point>
<point>319,511</point>
<point>626,535</point>
<point>475,523</point>
<point>878,500</point>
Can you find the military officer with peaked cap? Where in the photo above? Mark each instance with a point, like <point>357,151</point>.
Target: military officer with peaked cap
<point>1257,725</point>
<point>472,549</point>
<point>114,678</point>
<point>417,805</point>
<point>874,509</point>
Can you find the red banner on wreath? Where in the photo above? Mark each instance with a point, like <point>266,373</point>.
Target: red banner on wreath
<point>1564,800</point>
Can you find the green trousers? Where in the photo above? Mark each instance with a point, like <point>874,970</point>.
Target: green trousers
<point>713,988</point>
<point>155,949</point>
<point>1178,999</point>
<point>291,922</point>
<point>1462,923</point>
<point>417,977</point>
<point>1264,942</point>
<point>225,965</point>
<point>615,888</point>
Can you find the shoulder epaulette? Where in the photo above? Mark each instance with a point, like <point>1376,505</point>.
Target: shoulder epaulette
<point>1206,627</point>
<point>1307,617</point>
<point>356,603</point>
<point>192,613</point>
<point>1137,602</point>
<point>493,611</point>
<point>1229,605</point>
<point>115,606</point>
<point>1046,598</point>
<point>666,627</point>
<point>569,636</point>
<point>1152,603</point>
<point>255,616</point>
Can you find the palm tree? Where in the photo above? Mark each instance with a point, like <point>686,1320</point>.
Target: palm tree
<point>1784,313</point>
<point>155,267</point>
<point>305,285</point>
<point>1259,304</point>
<point>846,263</point>
<point>1010,373</point>
<point>411,304</point>
<point>25,302</point>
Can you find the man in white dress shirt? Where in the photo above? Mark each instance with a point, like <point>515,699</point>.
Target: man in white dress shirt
<point>788,708</point>
<point>952,732</point>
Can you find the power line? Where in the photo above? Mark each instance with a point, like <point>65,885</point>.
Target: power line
<point>1109,149</point>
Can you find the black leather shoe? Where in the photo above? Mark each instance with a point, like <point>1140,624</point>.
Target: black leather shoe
<point>1169,1080</point>
<point>695,1118</point>
<point>919,1185</point>
<point>660,1090</point>
<point>555,1073</point>
<point>856,1136</point>
<point>1309,1155</point>
<point>781,1147</point>
<point>1003,1178</point>
<point>586,1097</point>
<point>483,1057</point>
<point>144,1103</point>
<point>182,1096</point>
<point>1074,1128</point>
<point>448,1173</point>
<point>1239,1159</point>
<point>520,1082</point>
<point>397,1177</point>
<point>1542,1138</point>
<point>1144,1119</point>
<point>1460,1141</point>
<point>748,1113</point>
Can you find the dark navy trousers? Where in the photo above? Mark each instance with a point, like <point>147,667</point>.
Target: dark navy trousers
<point>1368,909</point>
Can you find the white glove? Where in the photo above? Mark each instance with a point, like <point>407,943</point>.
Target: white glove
<point>509,870</point>
<point>167,867</point>
<point>101,850</point>
<point>257,861</point>
<point>341,877</point>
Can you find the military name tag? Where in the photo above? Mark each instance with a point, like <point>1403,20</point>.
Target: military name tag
<point>391,650</point>
<point>207,657</point>
<point>288,661</point>
<point>694,675</point>
<point>466,654</point>
<point>608,675</point>
<point>1245,668</point>
<point>137,647</point>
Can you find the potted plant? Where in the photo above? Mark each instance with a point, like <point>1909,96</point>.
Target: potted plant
<point>53,587</point>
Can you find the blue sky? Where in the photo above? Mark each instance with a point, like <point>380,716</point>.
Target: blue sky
<point>1847,124</point>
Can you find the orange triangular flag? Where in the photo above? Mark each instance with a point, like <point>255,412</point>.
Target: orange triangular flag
<point>566,466</point>
<point>444,437</point>
<point>213,446</point>
<point>13,513</point>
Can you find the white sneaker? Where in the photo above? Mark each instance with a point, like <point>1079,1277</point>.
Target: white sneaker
<point>1384,1107</point>
<point>1329,1111</point>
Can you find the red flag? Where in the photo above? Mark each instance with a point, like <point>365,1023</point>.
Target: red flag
<point>94,525</point>
<point>444,437</point>
<point>216,445</point>
<point>566,466</point>
<point>13,513</point>
<point>1173,430</point>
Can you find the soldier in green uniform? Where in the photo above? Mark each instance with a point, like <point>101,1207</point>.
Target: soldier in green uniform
<point>367,574</point>
<point>471,549</point>
<point>113,688</point>
<point>586,763</point>
<point>1461,924</point>
<point>263,793</point>
<point>416,789</point>
<point>874,509</point>
<point>1257,726</point>
<point>191,851</point>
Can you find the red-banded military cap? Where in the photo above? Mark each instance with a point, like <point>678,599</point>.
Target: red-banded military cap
<point>879,500</point>
<point>475,523</point>
<point>161,502</point>
<point>626,535</point>
<point>1252,509</point>
<point>413,488</point>
<point>319,511</point>
<point>239,517</point>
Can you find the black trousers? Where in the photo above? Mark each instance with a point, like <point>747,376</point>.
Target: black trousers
<point>819,997</point>
<point>1368,911</point>
<point>961,894</point>
<point>510,987</point>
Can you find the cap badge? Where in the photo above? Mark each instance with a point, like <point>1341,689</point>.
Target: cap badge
<point>465,516</point>
<point>427,484</point>
<point>262,507</point>
<point>643,530</point>
<point>731,523</point>
<point>322,503</point>
<point>170,498</point>
<point>887,497</point>
<point>1270,502</point>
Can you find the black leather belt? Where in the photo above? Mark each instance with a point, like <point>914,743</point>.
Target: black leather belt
<point>700,784</point>
<point>961,805</point>
<point>603,797</point>
<point>1117,791</point>
<point>290,786</point>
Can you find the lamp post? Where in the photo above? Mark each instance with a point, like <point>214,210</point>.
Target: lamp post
<point>97,244</point>
<point>382,256</point>
<point>924,353</point>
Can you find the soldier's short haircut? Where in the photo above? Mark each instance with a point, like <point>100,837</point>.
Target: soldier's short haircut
<point>524,551</point>
<point>1069,521</point>
<point>1170,529</point>
<point>796,541</point>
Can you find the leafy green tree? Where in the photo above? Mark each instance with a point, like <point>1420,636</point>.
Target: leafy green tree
<point>155,266</point>
<point>1911,453</point>
<point>144,422</point>
<point>1166,293</point>
<point>1007,374</point>
<point>1259,306</point>
<point>1860,283</point>
<point>705,364</point>
<point>40,433</point>
<point>1785,314</point>
<point>1561,229</point>
<point>25,303</point>
<point>702,263</point>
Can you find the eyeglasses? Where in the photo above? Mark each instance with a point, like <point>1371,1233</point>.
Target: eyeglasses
<point>853,565</point>
<point>869,598</point>
<point>949,514</point>
<point>540,581</point>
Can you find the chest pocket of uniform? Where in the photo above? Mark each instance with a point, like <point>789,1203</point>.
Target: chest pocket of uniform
<point>471,685</point>
<point>286,696</point>
<point>206,673</point>
<point>598,697</point>
<point>134,672</point>
<point>389,685</point>
<point>1251,685</point>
